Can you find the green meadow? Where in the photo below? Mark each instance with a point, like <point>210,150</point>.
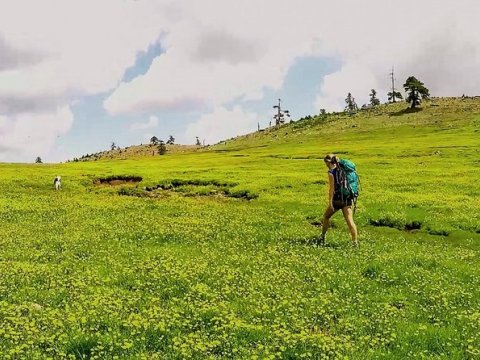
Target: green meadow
<point>211,254</point>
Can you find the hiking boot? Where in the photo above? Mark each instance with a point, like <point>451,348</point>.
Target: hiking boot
<point>355,244</point>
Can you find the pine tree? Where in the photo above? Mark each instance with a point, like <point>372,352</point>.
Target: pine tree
<point>392,96</point>
<point>351,104</point>
<point>38,160</point>
<point>154,141</point>
<point>373,98</point>
<point>416,91</point>
<point>198,143</point>
<point>171,140</point>
<point>162,149</point>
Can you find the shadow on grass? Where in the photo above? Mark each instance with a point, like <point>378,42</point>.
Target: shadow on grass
<point>405,111</point>
<point>318,223</point>
<point>314,242</point>
<point>81,348</point>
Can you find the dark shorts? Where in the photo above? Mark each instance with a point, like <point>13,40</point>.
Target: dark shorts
<point>339,204</point>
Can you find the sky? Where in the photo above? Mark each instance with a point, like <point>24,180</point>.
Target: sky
<point>76,76</point>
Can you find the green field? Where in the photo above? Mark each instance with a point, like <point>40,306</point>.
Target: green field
<point>218,261</point>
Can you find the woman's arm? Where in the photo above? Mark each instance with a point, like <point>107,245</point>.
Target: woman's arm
<point>331,189</point>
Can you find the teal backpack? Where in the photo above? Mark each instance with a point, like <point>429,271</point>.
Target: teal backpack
<point>347,180</point>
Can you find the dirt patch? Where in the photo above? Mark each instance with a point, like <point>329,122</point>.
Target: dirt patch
<point>178,183</point>
<point>115,180</point>
<point>192,188</point>
<point>438,232</point>
<point>396,224</point>
<point>384,222</point>
<point>414,225</point>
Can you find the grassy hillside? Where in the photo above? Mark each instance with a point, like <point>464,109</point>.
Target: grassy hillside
<point>210,255</point>
<point>135,152</point>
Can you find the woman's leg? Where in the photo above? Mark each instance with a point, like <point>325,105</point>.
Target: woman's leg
<point>348,215</point>
<point>326,219</point>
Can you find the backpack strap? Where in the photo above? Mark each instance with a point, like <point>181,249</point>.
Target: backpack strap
<point>337,181</point>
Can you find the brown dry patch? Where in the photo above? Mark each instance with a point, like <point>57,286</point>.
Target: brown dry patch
<point>116,180</point>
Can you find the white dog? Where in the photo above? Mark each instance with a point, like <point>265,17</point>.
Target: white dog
<point>57,183</point>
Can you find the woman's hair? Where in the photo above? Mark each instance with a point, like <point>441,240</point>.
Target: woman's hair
<point>330,158</point>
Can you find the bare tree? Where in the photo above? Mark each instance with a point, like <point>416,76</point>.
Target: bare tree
<point>279,117</point>
<point>394,94</point>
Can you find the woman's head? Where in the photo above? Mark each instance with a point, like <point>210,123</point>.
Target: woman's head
<point>331,161</point>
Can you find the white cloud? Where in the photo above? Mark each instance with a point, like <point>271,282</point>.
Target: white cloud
<point>26,136</point>
<point>13,58</point>
<point>55,52</point>
<point>86,45</point>
<point>151,123</point>
<point>146,138</point>
<point>437,44</point>
<point>218,52</point>
<point>221,124</point>
<point>336,86</point>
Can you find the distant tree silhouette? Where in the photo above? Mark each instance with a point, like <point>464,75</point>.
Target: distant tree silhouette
<point>154,140</point>
<point>113,146</point>
<point>162,149</point>
<point>197,142</point>
<point>416,91</point>
<point>38,160</point>
<point>393,95</point>
<point>373,98</point>
<point>279,117</point>
<point>171,140</point>
<point>351,106</point>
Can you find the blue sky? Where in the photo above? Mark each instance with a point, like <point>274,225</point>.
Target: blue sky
<point>94,129</point>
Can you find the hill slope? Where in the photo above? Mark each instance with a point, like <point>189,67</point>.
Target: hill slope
<point>209,254</point>
<point>135,152</point>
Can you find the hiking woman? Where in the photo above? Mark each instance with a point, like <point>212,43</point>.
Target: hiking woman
<point>338,201</point>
